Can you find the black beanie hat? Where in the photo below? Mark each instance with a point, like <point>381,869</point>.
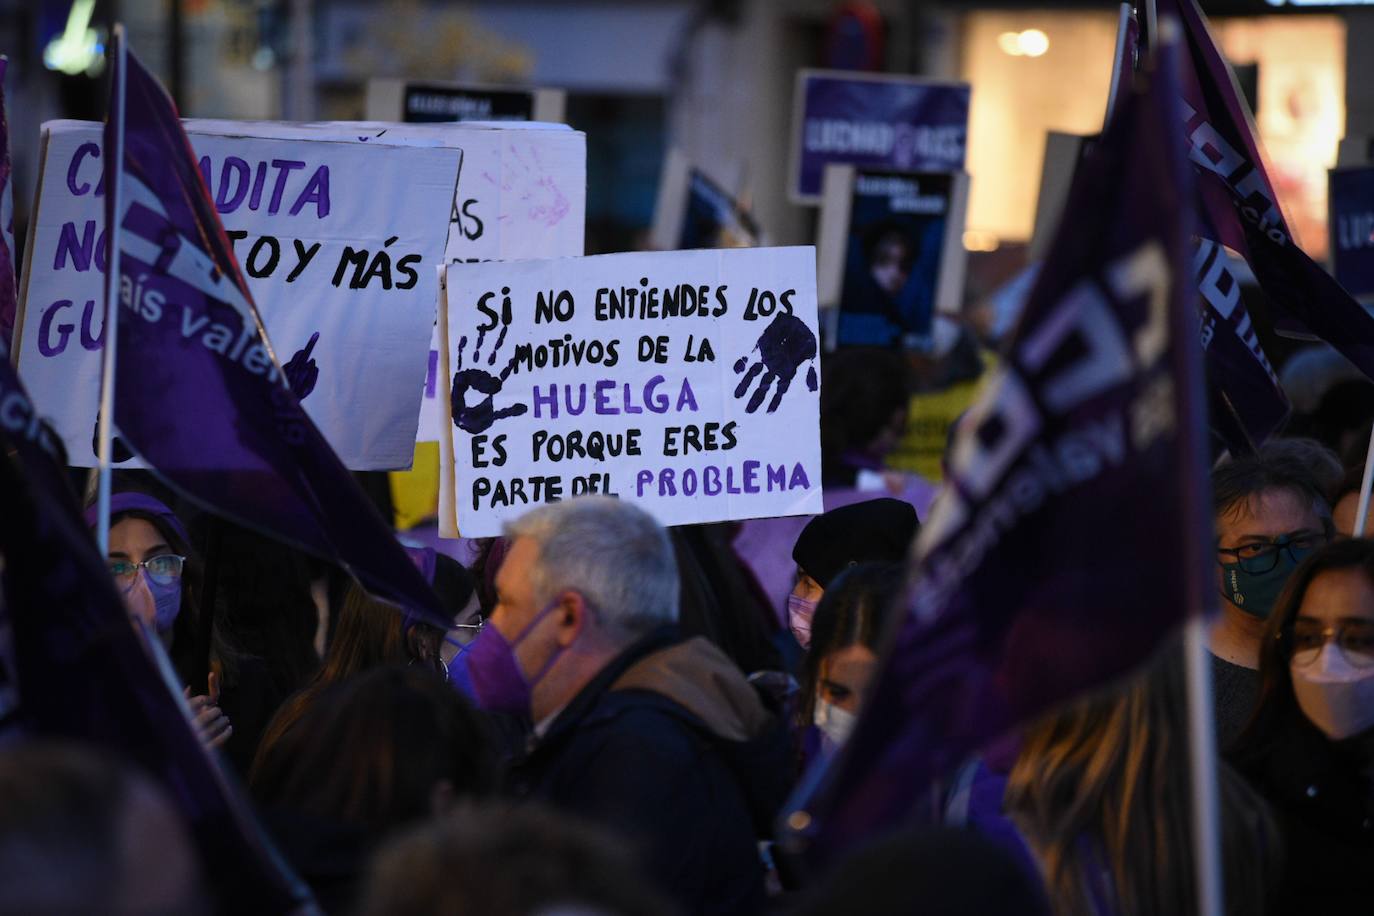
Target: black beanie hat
<point>876,531</point>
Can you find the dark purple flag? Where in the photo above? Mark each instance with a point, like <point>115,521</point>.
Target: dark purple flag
<point>1247,404</point>
<point>1239,198</point>
<point>1071,534</point>
<point>8,301</point>
<point>76,668</point>
<point>199,394</point>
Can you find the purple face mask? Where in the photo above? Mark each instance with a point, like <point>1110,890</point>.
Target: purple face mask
<point>799,614</point>
<point>497,682</point>
<point>166,600</point>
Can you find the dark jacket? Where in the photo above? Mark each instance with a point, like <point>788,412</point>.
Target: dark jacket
<point>671,747</point>
<point>1323,801</point>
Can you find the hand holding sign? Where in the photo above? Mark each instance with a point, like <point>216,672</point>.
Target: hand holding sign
<point>301,372</point>
<point>783,347</point>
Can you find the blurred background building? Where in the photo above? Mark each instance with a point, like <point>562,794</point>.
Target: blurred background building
<point>713,78</point>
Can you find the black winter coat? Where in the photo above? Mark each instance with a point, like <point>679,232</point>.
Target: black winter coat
<point>1323,801</point>
<point>692,791</point>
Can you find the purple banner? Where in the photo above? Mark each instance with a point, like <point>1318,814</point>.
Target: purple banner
<point>77,669</point>
<point>1351,197</point>
<point>215,415</point>
<point>8,300</point>
<point>1029,587</point>
<point>1239,198</point>
<point>907,124</point>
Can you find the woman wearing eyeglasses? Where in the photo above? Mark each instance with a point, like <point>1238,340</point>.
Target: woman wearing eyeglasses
<point>149,562</point>
<point>1309,749</point>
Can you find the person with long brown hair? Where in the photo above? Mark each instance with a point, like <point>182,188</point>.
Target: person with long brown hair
<point>1101,793</point>
<point>369,634</point>
<point>1309,749</point>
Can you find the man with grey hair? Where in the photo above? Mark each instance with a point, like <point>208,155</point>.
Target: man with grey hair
<point>659,738</point>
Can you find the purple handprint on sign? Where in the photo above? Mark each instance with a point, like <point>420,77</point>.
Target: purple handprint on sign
<point>301,372</point>
<point>782,347</point>
<point>480,386</point>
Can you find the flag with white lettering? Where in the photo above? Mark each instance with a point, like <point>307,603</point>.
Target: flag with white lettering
<point>73,666</point>
<point>1239,199</point>
<point>1070,536</point>
<point>199,394</point>
<point>8,300</point>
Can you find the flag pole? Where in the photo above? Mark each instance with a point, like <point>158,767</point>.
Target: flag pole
<point>1362,512</point>
<point>1122,30</point>
<point>114,161</point>
<point>1197,664</point>
<point>1202,749</point>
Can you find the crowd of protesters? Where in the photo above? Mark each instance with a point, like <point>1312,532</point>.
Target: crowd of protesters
<point>618,714</point>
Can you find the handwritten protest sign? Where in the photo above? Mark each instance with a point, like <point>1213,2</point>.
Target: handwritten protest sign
<point>877,121</point>
<point>685,381</point>
<point>336,237</point>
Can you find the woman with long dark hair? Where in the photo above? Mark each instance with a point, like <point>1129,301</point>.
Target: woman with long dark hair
<point>1309,748</point>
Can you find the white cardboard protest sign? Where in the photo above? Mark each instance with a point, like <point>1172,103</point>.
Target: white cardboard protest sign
<point>522,193</point>
<point>337,238</point>
<point>685,381</point>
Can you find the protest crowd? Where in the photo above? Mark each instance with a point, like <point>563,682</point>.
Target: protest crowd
<point>1107,648</point>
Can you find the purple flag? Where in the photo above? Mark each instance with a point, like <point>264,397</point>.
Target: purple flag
<point>1070,536</point>
<point>1247,404</point>
<point>1239,199</point>
<point>8,301</point>
<point>77,668</point>
<point>199,393</point>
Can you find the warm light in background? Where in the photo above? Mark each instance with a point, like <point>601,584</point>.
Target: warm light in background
<point>1301,115</point>
<point>1028,43</point>
<point>1014,105</point>
<point>980,241</point>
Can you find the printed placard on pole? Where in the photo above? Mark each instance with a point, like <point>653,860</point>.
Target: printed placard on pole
<point>891,254</point>
<point>1351,193</point>
<point>334,237</point>
<point>877,121</point>
<point>430,102</point>
<point>687,382</point>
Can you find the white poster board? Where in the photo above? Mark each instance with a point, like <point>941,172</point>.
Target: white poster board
<point>522,193</point>
<point>686,382</point>
<point>337,238</point>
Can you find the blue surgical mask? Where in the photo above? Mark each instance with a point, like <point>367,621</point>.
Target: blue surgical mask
<point>166,599</point>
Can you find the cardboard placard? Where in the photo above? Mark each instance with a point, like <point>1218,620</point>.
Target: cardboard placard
<point>891,254</point>
<point>877,121</point>
<point>336,237</point>
<point>685,381</point>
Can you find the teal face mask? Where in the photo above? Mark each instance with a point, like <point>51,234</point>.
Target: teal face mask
<point>1254,581</point>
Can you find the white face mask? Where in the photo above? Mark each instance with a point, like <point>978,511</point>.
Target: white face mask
<point>836,724</point>
<point>1335,696</point>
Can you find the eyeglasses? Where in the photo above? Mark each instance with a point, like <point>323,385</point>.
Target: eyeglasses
<point>164,569</point>
<point>1262,556</point>
<point>1355,639</point>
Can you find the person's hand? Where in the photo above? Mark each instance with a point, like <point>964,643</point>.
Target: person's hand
<point>212,725</point>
